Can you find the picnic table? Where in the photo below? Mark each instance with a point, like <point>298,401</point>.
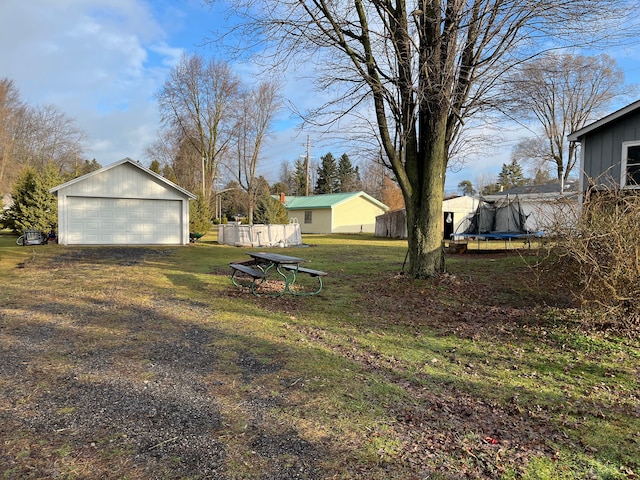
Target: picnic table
<point>256,272</point>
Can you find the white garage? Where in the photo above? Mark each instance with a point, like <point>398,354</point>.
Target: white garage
<point>122,204</point>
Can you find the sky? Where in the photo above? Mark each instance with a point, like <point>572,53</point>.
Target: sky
<point>100,62</point>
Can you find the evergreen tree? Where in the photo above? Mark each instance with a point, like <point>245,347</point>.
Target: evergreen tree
<point>155,167</point>
<point>279,187</point>
<point>466,187</point>
<point>168,173</point>
<point>90,166</point>
<point>199,215</point>
<point>270,211</point>
<point>328,181</point>
<point>511,175</point>
<point>348,175</point>
<point>82,168</point>
<point>299,181</point>
<point>491,189</point>
<point>233,200</point>
<point>34,207</point>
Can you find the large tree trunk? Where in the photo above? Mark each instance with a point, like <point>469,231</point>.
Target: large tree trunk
<point>424,206</point>
<point>424,220</point>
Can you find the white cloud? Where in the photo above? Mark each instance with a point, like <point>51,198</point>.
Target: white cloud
<point>98,61</point>
<point>101,62</point>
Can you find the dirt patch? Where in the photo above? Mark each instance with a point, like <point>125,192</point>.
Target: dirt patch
<point>121,256</point>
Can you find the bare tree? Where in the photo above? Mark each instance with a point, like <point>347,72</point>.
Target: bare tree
<point>286,178</point>
<point>198,110</point>
<point>561,93</point>
<point>425,67</point>
<point>48,135</point>
<point>373,176</point>
<point>164,150</point>
<point>534,152</point>
<point>485,182</point>
<point>179,160</point>
<point>11,110</point>
<point>34,136</point>
<point>258,109</point>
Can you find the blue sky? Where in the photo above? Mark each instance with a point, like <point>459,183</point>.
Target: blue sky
<point>101,61</point>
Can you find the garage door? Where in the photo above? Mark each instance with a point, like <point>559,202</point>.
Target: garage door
<point>121,221</point>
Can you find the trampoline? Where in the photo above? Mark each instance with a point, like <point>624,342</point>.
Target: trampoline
<point>501,219</point>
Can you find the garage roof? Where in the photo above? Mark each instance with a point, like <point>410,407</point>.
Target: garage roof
<point>169,183</point>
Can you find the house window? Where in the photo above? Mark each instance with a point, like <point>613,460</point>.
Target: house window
<point>630,175</point>
<point>308,217</point>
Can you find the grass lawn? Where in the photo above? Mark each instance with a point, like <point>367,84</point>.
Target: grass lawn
<point>147,363</point>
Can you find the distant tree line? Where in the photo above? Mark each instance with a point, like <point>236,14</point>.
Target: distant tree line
<point>213,129</point>
<point>554,94</point>
<point>40,147</point>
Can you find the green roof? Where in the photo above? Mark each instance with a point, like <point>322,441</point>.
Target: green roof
<point>328,200</point>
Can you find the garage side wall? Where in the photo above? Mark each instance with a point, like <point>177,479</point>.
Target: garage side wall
<point>320,220</point>
<point>355,216</point>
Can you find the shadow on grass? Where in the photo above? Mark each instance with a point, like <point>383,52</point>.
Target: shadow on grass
<point>118,368</point>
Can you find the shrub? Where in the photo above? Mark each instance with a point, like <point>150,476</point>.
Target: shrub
<point>599,260</point>
<point>33,206</point>
<point>270,211</point>
<point>199,216</point>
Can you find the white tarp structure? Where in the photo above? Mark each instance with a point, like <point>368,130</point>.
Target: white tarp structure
<point>546,212</point>
<point>503,216</point>
<point>260,235</point>
<point>526,214</point>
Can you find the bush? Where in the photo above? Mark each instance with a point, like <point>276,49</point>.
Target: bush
<point>199,215</point>
<point>599,260</point>
<point>34,208</point>
<point>270,211</point>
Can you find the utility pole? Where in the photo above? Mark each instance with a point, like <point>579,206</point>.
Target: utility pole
<point>307,162</point>
<point>306,165</point>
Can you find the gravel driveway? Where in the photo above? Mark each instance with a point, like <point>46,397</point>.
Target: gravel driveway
<point>129,387</point>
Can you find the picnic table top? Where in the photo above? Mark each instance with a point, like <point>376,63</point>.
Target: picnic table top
<point>276,258</point>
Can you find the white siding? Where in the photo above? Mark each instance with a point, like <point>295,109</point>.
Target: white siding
<point>122,204</point>
<point>462,209</point>
<point>125,181</point>
<point>107,221</point>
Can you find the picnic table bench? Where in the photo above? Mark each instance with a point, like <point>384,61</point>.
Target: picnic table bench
<point>255,272</point>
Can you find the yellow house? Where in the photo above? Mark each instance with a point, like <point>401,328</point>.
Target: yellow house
<point>354,212</point>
